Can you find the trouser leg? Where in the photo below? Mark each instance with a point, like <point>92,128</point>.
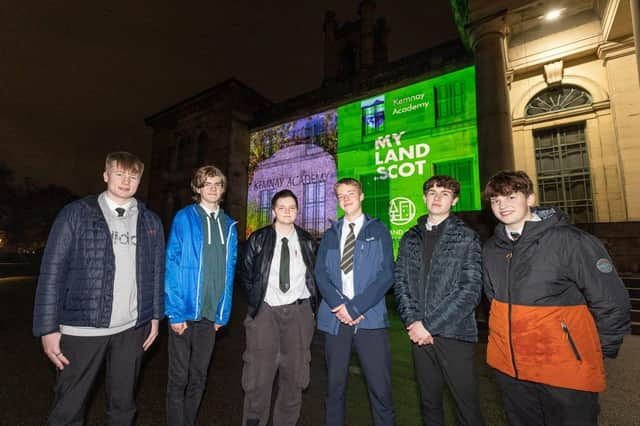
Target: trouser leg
<point>260,364</point>
<point>521,400</point>
<point>124,361</point>
<point>456,360</point>
<point>374,352</point>
<point>529,403</point>
<point>569,406</point>
<point>179,349</point>
<point>431,384</point>
<point>203,338</point>
<point>74,382</point>
<point>296,323</point>
<point>337,354</point>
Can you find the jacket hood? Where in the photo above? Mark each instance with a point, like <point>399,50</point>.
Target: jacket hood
<point>532,231</point>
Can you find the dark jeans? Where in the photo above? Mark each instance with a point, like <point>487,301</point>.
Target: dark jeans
<point>189,359</point>
<point>374,353</point>
<point>529,403</point>
<point>122,353</point>
<point>278,340</point>
<point>450,362</point>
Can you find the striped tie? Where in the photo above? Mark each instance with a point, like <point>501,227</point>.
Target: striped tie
<point>346,264</point>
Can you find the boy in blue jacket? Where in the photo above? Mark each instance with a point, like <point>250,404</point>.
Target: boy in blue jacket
<point>200,262</point>
<point>354,271</point>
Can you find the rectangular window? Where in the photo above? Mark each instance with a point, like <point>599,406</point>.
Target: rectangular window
<point>265,207</point>
<point>564,176</point>
<point>313,214</point>
<point>462,171</point>
<point>450,99</point>
<point>373,118</point>
<point>376,199</point>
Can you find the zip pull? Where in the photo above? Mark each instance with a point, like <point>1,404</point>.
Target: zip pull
<point>567,334</point>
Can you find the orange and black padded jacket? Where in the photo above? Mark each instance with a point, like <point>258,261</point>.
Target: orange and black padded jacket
<point>558,305</point>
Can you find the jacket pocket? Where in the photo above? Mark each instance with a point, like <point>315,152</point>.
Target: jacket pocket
<point>567,333</point>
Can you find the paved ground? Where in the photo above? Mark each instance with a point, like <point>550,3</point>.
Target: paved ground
<point>26,379</point>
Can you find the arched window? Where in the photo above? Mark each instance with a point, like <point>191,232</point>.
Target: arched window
<point>557,98</point>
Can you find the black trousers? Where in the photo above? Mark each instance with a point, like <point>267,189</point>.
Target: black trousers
<point>189,359</point>
<point>122,353</point>
<point>450,362</point>
<point>529,403</point>
<point>278,340</point>
<point>374,353</point>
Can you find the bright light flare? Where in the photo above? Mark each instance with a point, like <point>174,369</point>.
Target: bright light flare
<point>552,15</point>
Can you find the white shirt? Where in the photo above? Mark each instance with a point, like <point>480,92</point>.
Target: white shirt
<point>297,273</point>
<point>348,288</point>
<point>113,205</point>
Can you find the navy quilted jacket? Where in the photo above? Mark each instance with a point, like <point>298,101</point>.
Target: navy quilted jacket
<point>454,285</point>
<point>75,286</point>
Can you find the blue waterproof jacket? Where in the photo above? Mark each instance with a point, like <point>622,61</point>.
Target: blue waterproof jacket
<point>77,272</point>
<point>183,274</point>
<point>373,276</point>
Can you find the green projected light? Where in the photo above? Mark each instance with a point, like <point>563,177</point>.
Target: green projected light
<point>395,141</point>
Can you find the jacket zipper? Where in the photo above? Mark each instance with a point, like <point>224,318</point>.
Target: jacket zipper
<point>198,284</point>
<point>226,273</point>
<point>509,256</point>
<point>574,348</point>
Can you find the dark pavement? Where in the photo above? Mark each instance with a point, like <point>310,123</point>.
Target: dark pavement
<point>27,377</point>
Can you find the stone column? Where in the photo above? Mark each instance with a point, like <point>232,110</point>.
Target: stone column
<point>634,5</point>
<point>495,146</point>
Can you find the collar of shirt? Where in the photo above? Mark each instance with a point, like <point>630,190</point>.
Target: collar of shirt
<point>534,218</point>
<point>356,229</point>
<point>430,225</point>
<point>209,211</point>
<point>291,236</point>
<point>113,205</point>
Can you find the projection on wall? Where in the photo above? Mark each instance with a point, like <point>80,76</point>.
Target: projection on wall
<point>391,142</point>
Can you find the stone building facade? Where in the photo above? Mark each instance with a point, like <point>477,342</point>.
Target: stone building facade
<point>558,97</point>
<point>211,127</point>
<point>214,127</point>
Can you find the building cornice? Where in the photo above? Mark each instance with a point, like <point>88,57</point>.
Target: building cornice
<point>612,50</point>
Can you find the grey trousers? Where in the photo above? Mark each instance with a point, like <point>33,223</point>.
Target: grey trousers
<point>278,340</point>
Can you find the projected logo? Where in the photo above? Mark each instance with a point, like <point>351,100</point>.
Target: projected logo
<point>401,211</point>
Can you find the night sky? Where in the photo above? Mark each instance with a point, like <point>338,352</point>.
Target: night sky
<point>77,78</point>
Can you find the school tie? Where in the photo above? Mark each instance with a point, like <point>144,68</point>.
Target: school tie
<point>120,211</point>
<point>514,235</point>
<point>347,253</point>
<point>284,266</point>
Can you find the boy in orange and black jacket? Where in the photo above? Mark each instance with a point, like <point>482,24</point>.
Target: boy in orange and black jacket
<point>557,308</point>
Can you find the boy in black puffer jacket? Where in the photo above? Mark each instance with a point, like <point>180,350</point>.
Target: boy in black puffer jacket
<point>438,283</point>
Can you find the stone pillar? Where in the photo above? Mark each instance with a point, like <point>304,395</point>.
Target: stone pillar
<point>634,5</point>
<point>495,146</point>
